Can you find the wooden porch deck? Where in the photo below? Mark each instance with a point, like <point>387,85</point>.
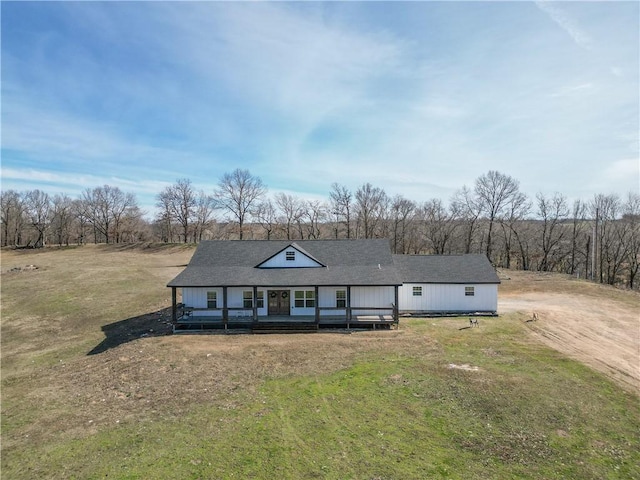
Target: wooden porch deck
<point>281,323</point>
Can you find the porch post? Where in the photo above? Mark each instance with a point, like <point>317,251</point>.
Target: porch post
<point>255,304</point>
<point>317,305</point>
<point>348,304</point>
<point>225,309</point>
<point>396,315</point>
<point>174,307</point>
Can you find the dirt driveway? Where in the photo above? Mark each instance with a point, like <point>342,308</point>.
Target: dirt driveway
<point>599,330</point>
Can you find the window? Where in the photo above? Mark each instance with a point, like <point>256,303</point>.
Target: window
<point>417,291</point>
<point>469,291</point>
<point>310,296</point>
<point>341,298</point>
<point>299,300</point>
<point>290,256</point>
<point>305,298</point>
<point>260,300</point>
<point>247,299</point>
<point>212,299</point>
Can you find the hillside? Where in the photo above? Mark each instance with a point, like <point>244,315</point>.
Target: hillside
<point>94,384</point>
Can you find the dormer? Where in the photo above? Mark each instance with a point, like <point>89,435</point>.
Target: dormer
<point>292,256</point>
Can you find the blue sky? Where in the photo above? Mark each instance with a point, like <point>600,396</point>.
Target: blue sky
<point>419,98</point>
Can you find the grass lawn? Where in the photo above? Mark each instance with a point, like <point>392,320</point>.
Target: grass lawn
<point>431,400</point>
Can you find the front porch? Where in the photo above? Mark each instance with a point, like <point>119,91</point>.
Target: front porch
<point>281,323</point>
<point>255,317</point>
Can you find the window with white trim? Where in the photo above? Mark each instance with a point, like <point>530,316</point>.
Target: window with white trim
<point>305,298</point>
<point>290,255</point>
<point>247,299</point>
<point>469,291</point>
<point>212,299</point>
<point>260,299</point>
<point>417,291</point>
<point>341,298</point>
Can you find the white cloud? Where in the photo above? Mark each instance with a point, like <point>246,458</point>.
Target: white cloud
<point>574,90</point>
<point>77,181</point>
<point>624,171</point>
<point>564,21</point>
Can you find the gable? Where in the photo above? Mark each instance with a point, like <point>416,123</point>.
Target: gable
<point>258,262</point>
<point>292,256</point>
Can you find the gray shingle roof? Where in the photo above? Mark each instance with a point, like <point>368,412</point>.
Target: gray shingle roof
<point>348,262</point>
<point>233,263</point>
<point>470,268</point>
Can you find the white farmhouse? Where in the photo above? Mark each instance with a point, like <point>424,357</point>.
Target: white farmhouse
<point>313,284</point>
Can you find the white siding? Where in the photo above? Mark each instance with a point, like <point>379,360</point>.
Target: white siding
<point>197,298</point>
<point>380,297</point>
<point>448,298</point>
<point>301,310</point>
<point>328,299</point>
<point>280,260</point>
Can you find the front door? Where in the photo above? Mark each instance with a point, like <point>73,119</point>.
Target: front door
<point>279,302</point>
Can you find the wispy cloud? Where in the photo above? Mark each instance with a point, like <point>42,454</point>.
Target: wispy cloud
<point>573,90</point>
<point>560,16</point>
<point>77,181</point>
<point>418,98</point>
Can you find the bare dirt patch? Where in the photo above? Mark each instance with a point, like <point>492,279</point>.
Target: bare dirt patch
<point>600,326</point>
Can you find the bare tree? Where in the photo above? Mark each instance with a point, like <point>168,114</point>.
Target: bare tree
<point>512,222</point>
<point>205,205</point>
<point>38,208</point>
<point>316,215</point>
<point>631,219</point>
<point>578,237</point>
<point>552,211</point>
<point>239,192</point>
<point>467,212</point>
<point>371,203</point>
<point>402,215</point>
<point>267,217</point>
<point>610,249</point>
<point>106,206</point>
<point>12,217</point>
<point>178,202</point>
<point>132,227</point>
<point>494,191</point>
<point>82,221</point>
<point>439,225</point>
<point>61,218</point>
<point>341,207</point>
<point>164,218</point>
<point>292,210</point>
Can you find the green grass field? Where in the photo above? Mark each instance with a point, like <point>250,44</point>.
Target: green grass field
<point>431,400</point>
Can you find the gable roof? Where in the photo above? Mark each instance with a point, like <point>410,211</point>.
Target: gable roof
<point>468,268</point>
<point>233,263</point>
<point>296,247</point>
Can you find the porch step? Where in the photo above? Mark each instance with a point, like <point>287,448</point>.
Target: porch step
<point>284,327</point>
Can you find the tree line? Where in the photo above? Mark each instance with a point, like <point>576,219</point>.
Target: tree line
<point>597,238</point>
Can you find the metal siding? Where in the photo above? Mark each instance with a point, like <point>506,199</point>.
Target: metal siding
<point>448,298</point>
<point>381,297</point>
<point>328,299</point>
<point>235,300</point>
<point>197,298</point>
